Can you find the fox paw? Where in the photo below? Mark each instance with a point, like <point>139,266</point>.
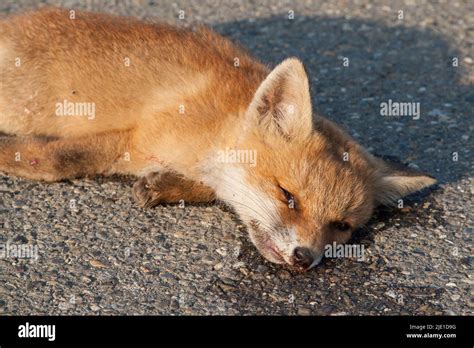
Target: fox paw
<point>145,191</point>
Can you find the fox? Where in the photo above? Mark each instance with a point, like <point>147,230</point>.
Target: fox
<point>167,103</point>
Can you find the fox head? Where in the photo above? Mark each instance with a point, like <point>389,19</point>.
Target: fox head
<point>311,184</point>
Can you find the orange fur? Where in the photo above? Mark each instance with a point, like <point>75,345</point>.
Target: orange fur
<point>170,100</point>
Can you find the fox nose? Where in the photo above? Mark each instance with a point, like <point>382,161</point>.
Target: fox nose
<point>303,257</point>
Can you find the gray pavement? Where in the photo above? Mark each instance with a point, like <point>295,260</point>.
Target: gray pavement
<point>101,254</point>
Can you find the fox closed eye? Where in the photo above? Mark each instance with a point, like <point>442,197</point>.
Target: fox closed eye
<point>341,226</point>
<point>290,199</point>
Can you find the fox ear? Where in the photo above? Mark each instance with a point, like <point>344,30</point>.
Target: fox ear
<point>282,103</point>
<point>394,180</point>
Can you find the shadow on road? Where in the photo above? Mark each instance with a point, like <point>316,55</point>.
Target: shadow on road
<point>400,63</point>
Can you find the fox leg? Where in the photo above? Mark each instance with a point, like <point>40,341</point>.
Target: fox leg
<point>52,159</point>
<point>169,187</point>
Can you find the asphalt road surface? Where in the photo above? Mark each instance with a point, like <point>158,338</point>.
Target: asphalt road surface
<point>98,253</point>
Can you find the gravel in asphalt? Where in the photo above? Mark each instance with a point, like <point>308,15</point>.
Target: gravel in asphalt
<point>101,254</point>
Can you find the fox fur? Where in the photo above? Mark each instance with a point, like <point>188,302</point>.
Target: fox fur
<point>167,101</point>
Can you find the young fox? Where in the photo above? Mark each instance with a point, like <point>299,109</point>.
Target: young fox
<point>84,93</point>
